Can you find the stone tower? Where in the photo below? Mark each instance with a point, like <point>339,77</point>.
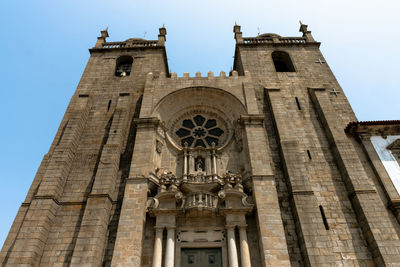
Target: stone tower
<point>251,168</point>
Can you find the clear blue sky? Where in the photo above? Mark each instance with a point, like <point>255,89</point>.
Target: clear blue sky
<point>44,51</point>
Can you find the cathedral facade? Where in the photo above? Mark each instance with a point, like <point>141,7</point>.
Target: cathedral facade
<point>266,165</point>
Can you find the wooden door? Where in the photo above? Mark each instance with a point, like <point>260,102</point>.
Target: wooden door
<point>201,257</point>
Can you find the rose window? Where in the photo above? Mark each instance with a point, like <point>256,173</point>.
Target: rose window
<point>199,132</point>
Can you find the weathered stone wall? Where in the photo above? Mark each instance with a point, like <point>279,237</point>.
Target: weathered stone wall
<point>317,198</point>
<point>90,155</point>
<point>346,238</point>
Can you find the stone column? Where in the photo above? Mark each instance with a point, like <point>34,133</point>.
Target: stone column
<point>268,215</point>
<point>129,242</point>
<point>244,247</point>
<point>170,250</point>
<point>191,163</point>
<point>157,256</point>
<point>185,164</point>
<point>208,168</point>
<point>232,251</point>
<point>214,163</point>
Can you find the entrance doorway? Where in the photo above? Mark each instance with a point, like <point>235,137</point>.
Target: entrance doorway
<point>201,257</point>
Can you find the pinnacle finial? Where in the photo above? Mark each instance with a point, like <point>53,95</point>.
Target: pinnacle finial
<point>238,33</point>
<point>104,33</point>
<point>162,34</point>
<point>306,32</point>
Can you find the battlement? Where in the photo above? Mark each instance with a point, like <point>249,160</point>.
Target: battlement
<point>210,75</point>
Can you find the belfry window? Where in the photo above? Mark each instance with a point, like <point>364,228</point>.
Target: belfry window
<point>124,66</point>
<point>282,62</point>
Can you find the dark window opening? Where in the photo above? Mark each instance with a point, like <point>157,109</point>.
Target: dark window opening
<point>321,209</point>
<point>216,131</point>
<point>188,124</point>
<point>282,62</point>
<point>124,66</point>
<point>182,132</point>
<point>210,123</point>
<point>211,140</point>
<point>189,140</point>
<point>199,120</point>
<point>199,132</point>
<point>199,142</point>
<point>298,103</point>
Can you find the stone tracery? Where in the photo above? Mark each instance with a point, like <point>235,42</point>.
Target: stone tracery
<point>199,132</point>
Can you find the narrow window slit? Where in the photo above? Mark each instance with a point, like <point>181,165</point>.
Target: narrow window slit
<point>109,105</point>
<point>298,103</point>
<point>321,209</point>
<point>309,154</point>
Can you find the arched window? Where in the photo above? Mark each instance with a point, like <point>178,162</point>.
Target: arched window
<point>282,62</point>
<point>124,65</point>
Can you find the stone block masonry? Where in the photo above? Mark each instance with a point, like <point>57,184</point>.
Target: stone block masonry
<point>247,168</point>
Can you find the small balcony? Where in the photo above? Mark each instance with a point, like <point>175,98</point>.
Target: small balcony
<point>200,201</point>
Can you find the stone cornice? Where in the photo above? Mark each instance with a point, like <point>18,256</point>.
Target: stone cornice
<point>394,204</point>
<point>390,127</point>
<point>276,41</point>
<point>148,122</point>
<point>252,119</point>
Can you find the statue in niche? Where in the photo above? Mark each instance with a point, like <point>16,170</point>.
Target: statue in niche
<point>199,164</point>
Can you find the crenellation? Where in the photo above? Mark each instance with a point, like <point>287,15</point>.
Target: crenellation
<point>198,76</point>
